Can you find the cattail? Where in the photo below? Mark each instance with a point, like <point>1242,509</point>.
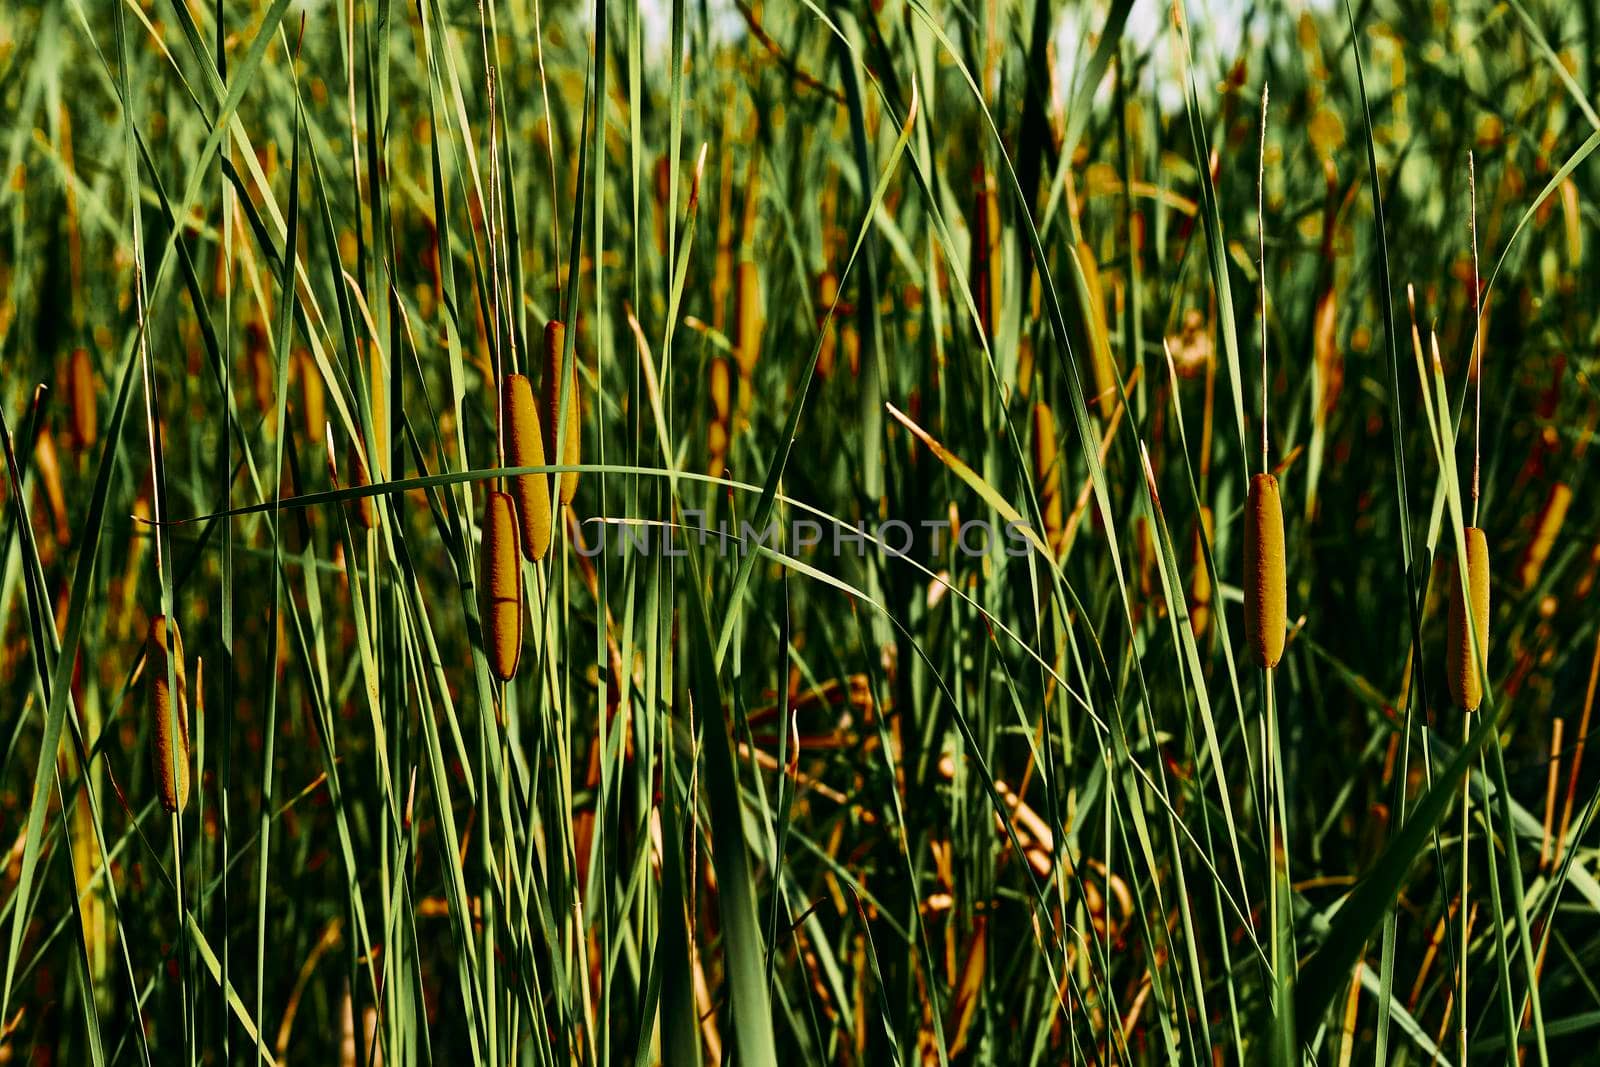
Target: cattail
<point>1266,603</point>
<point>525,448</point>
<point>169,754</point>
<point>1144,560</point>
<point>1327,358</point>
<point>81,393</point>
<point>751,322</point>
<point>1545,532</point>
<point>1200,583</point>
<point>1092,306</point>
<point>985,251</point>
<point>1047,474</point>
<point>1572,223</point>
<point>663,176</point>
<point>348,1054</point>
<point>1466,681</point>
<point>47,462</point>
<point>313,396</point>
<point>717,433</point>
<point>500,583</point>
<point>378,397</point>
<point>555,338</point>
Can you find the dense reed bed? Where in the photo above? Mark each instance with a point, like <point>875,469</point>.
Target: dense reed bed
<point>901,532</point>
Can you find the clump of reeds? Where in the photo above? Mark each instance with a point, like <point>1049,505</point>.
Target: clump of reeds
<point>555,337</point>
<point>169,751</point>
<point>500,586</point>
<point>524,439</point>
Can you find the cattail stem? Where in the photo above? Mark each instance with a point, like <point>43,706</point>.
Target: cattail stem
<point>1477,336</point>
<point>1261,265</point>
<point>1466,804</point>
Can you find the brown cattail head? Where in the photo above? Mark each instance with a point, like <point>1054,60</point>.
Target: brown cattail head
<point>555,343</point>
<point>1200,583</point>
<point>751,321</point>
<point>81,394</point>
<point>1545,532</point>
<point>1328,359</point>
<point>717,432</point>
<point>1266,601</point>
<point>1093,308</point>
<point>500,586</point>
<point>169,750</point>
<point>1466,681</point>
<point>525,448</point>
<point>1046,474</point>
<point>986,251</point>
<point>313,395</point>
<point>47,463</point>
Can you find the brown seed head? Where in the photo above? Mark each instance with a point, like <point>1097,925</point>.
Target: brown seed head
<point>1466,681</point>
<point>500,586</point>
<point>81,390</point>
<point>750,317</point>
<point>169,751</point>
<point>1266,603</point>
<point>1545,532</point>
<point>525,448</point>
<point>555,341</point>
<point>1046,474</point>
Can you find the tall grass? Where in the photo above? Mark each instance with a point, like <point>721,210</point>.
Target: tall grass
<point>866,272</point>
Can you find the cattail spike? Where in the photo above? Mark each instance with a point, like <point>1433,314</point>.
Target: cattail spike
<point>500,587</point>
<point>555,342</point>
<point>1266,607</point>
<point>751,320</point>
<point>1200,585</point>
<point>169,753</point>
<point>525,448</point>
<point>81,394</point>
<point>1046,473</point>
<point>1466,681</point>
